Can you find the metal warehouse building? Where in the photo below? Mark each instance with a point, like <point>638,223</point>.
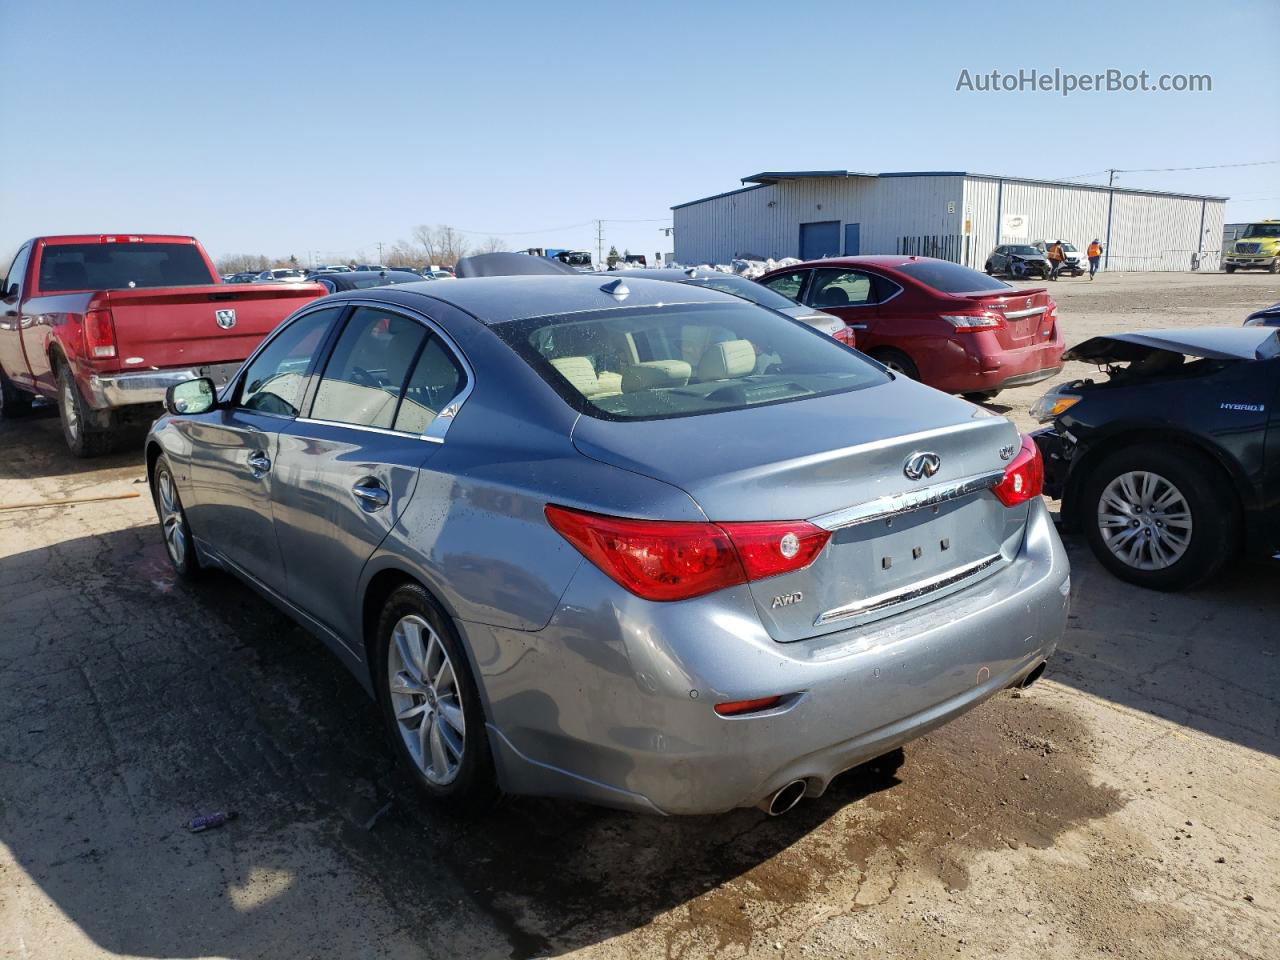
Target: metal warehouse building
<point>956,216</point>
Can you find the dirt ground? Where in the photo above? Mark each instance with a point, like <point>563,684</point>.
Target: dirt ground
<point>1128,805</point>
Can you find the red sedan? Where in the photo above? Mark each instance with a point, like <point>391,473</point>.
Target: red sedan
<point>935,321</point>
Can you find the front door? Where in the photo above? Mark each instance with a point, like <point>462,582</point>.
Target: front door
<point>234,451</point>
<point>819,239</point>
<point>345,473</point>
<point>13,360</point>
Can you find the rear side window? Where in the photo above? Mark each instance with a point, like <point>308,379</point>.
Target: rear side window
<point>436,379</point>
<point>121,266</point>
<point>841,288</point>
<point>277,378</point>
<point>685,359</point>
<point>365,376</point>
<point>951,277</point>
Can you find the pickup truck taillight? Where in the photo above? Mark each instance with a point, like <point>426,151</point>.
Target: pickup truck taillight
<point>99,334</point>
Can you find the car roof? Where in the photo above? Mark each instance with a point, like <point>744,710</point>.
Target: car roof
<point>887,261</point>
<point>494,300</point>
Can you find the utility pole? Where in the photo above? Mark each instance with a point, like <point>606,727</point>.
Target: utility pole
<point>1111,178</point>
<point>599,243</point>
<point>379,251</point>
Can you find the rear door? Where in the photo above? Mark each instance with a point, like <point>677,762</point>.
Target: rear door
<point>852,295</point>
<point>234,449</point>
<point>345,473</point>
<point>790,284</point>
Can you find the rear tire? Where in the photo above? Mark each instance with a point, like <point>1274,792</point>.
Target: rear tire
<point>431,709</point>
<point>897,361</point>
<point>178,541</point>
<point>83,438</point>
<point>13,402</point>
<point>1160,517</point>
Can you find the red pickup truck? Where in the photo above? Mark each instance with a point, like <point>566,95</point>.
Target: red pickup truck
<point>104,324</point>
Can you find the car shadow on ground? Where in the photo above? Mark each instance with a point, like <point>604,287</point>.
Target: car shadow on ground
<point>33,448</point>
<point>130,702</point>
<point>1208,659</point>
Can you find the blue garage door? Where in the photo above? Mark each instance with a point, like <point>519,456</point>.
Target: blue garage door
<point>818,240</point>
<point>852,239</point>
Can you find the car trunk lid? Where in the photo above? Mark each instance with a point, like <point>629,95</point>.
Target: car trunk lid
<point>1029,315</point>
<point>841,461</point>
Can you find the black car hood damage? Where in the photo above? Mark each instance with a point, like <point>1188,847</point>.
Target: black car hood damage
<point>1209,343</point>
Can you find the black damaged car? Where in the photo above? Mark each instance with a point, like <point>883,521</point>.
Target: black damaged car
<point>1170,463</point>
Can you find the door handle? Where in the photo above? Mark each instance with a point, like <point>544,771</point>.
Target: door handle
<point>859,326</point>
<point>259,463</point>
<point>371,493</point>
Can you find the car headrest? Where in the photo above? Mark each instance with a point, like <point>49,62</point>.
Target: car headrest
<point>834,297</point>
<point>727,359</point>
<point>578,371</point>
<point>655,373</point>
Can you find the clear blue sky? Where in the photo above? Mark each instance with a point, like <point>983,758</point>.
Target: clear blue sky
<point>293,127</point>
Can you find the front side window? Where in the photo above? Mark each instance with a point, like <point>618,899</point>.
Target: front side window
<point>788,284</point>
<point>121,266</point>
<point>17,271</point>
<point>841,288</point>
<point>276,379</point>
<point>684,359</point>
<point>366,374</point>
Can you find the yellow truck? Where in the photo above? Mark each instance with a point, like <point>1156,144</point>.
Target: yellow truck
<point>1257,247</point>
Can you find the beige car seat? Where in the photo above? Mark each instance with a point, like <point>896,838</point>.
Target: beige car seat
<point>727,360</point>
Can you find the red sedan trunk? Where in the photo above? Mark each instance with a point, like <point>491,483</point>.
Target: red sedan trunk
<point>947,325</point>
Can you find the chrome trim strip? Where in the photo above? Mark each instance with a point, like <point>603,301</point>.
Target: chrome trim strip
<point>367,429</point>
<point>891,506</point>
<point>912,592</point>
<point>1019,314</point>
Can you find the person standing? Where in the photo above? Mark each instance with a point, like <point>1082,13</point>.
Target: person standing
<point>1095,254</point>
<point>1057,258</point>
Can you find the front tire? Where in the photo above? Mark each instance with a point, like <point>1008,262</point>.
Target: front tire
<point>430,703</point>
<point>13,402</point>
<point>1160,517</point>
<point>178,541</point>
<point>83,438</point>
<point>1230,268</point>
<point>985,396</point>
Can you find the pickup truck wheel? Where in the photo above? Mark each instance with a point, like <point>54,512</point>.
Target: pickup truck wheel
<point>13,402</point>
<point>430,704</point>
<point>1275,266</point>
<point>1230,268</point>
<point>173,522</point>
<point>83,439</point>
<point>1160,517</point>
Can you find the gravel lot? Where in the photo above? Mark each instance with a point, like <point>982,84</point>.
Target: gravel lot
<point>1127,805</point>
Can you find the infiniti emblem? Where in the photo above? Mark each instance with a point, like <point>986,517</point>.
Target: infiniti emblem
<point>226,318</point>
<point>921,465</point>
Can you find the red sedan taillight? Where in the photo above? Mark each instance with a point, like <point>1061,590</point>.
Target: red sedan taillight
<point>663,560</point>
<point>99,334</point>
<point>1024,477</point>
<point>973,322</point>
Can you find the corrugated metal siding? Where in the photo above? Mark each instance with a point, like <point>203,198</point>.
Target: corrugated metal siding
<point>1148,231</point>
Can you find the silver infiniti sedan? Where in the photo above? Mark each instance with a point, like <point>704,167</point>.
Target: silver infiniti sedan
<point>641,544</point>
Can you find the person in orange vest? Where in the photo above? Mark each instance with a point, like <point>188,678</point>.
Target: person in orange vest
<point>1095,254</point>
<point>1057,258</point>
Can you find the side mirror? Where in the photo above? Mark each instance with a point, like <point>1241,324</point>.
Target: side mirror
<point>191,397</point>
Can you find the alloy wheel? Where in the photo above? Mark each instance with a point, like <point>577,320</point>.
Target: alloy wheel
<point>1145,520</point>
<point>70,412</point>
<point>426,700</point>
<point>175,534</point>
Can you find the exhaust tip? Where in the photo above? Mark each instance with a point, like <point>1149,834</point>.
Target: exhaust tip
<point>786,798</point>
<point>1034,675</point>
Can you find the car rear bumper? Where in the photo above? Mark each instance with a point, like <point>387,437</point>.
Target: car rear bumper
<point>149,386</point>
<point>613,701</point>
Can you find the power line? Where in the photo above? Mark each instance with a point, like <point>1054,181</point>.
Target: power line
<point>1212,166</point>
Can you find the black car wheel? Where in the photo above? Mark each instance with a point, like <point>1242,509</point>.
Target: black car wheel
<point>13,402</point>
<point>897,361</point>
<point>429,701</point>
<point>1230,268</point>
<point>83,437</point>
<point>1160,517</point>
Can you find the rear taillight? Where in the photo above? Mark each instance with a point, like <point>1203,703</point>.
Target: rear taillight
<point>846,336</point>
<point>973,322</point>
<point>99,334</point>
<point>1024,477</point>
<point>661,560</point>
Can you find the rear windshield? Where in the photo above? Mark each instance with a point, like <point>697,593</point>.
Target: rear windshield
<point>119,266</point>
<point>682,360</point>
<point>747,289</point>
<point>951,277</point>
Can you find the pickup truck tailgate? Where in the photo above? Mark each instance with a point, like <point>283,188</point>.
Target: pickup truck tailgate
<point>191,326</point>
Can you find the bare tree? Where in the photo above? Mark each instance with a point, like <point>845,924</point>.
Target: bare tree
<point>491,245</point>
<point>442,244</point>
<point>242,262</point>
